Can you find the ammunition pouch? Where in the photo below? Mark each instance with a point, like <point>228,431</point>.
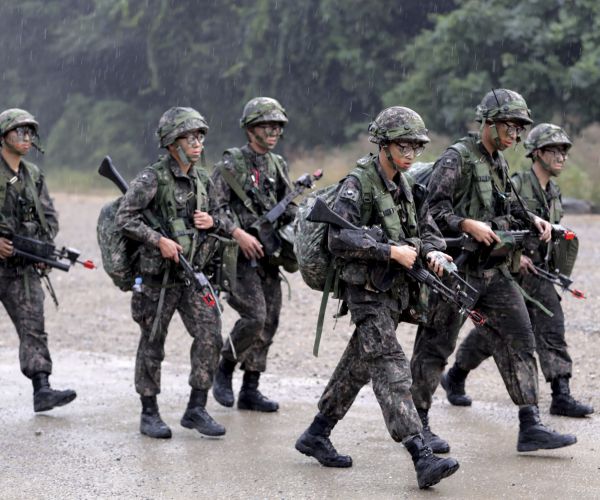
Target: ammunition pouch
<point>182,234</point>
<point>565,254</point>
<point>221,264</point>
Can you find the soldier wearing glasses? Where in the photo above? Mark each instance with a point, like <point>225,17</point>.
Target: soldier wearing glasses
<point>249,181</point>
<point>26,209</point>
<point>178,192</point>
<point>548,147</point>
<point>469,192</point>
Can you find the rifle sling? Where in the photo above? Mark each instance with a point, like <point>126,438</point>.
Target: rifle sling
<point>526,296</point>
<point>237,189</point>
<point>324,299</point>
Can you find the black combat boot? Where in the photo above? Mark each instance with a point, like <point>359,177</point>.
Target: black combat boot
<point>315,442</point>
<point>221,389</point>
<point>453,382</point>
<point>563,403</point>
<point>436,443</point>
<point>150,422</point>
<point>430,469</point>
<point>533,435</point>
<point>45,398</point>
<point>196,416</point>
<point>250,398</point>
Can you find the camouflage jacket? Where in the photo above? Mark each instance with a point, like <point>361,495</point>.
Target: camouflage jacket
<point>142,195</point>
<point>545,203</point>
<point>18,214</point>
<point>264,191</point>
<point>453,186</point>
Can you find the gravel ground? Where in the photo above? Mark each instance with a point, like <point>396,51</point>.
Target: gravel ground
<point>93,339</point>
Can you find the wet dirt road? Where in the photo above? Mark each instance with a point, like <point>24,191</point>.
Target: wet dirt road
<point>92,448</point>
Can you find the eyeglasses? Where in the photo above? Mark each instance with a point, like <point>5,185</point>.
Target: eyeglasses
<point>25,131</point>
<point>557,154</point>
<point>193,137</point>
<point>272,130</point>
<point>407,150</point>
<point>513,130</point>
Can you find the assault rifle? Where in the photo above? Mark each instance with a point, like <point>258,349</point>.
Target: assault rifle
<point>560,280</point>
<point>43,252</point>
<point>509,241</point>
<point>457,296</point>
<point>264,229</point>
<point>196,278</point>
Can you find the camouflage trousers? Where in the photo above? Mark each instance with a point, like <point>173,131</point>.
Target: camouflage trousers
<point>202,323</point>
<point>373,354</point>
<point>507,326</point>
<point>23,298</point>
<point>257,299</point>
<point>550,343</point>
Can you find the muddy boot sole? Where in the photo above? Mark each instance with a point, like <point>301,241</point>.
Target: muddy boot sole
<point>54,401</point>
<point>310,452</point>
<point>446,471</point>
<point>568,440</point>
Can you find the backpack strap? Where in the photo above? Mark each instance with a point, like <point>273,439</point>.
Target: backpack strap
<point>231,180</point>
<point>331,271</point>
<point>278,162</point>
<point>32,176</point>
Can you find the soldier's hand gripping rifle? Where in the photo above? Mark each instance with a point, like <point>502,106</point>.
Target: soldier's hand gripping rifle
<point>560,280</point>
<point>321,212</point>
<point>196,278</point>
<point>264,228</point>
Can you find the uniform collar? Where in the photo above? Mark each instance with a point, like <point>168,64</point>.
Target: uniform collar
<point>176,169</point>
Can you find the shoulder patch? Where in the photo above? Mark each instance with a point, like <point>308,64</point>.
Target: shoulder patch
<point>349,193</point>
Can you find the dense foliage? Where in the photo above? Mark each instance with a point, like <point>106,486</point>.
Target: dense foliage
<point>98,73</point>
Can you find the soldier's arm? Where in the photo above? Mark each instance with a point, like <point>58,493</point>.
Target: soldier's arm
<point>222,198</point>
<point>219,218</point>
<point>48,207</point>
<point>350,244</point>
<point>129,218</point>
<point>442,186</point>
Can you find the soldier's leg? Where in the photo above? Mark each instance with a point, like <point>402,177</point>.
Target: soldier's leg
<point>23,298</point>
<point>472,351</point>
<point>513,343</point>
<point>249,302</point>
<point>27,314</point>
<point>551,347</point>
<point>150,354</point>
<point>204,325</point>
<point>349,376</point>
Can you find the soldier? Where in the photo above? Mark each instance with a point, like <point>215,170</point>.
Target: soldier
<point>469,192</point>
<point>249,181</point>
<point>377,193</point>
<point>178,193</point>
<point>26,209</point>
<point>547,145</point>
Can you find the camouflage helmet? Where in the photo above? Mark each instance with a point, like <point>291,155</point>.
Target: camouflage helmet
<point>398,123</point>
<point>261,110</point>
<point>502,105</point>
<point>176,122</point>
<point>13,118</point>
<point>546,134</point>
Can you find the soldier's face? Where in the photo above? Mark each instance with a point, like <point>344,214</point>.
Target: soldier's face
<point>19,140</point>
<point>555,157</point>
<point>266,135</point>
<point>404,154</point>
<point>508,133</point>
<point>192,144</point>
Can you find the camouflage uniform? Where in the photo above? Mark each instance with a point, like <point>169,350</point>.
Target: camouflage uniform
<point>373,352</point>
<point>499,300</point>
<point>20,285</point>
<point>368,197</point>
<point>256,295</point>
<point>202,322</point>
<point>26,210</point>
<point>550,343</point>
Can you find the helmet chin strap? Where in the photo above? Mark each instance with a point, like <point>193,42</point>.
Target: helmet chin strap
<point>183,157</point>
